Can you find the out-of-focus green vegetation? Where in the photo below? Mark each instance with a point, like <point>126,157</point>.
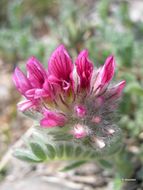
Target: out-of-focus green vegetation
<point>104,27</point>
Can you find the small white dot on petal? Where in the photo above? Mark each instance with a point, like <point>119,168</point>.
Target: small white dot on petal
<point>100,143</point>
<point>111,131</point>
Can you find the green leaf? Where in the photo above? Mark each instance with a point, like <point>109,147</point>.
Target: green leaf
<point>87,154</point>
<point>73,165</point>
<point>39,137</point>
<point>38,150</point>
<point>51,151</point>
<point>69,149</point>
<point>62,137</point>
<point>78,151</point>
<point>123,163</point>
<point>105,163</point>
<point>94,155</point>
<point>25,155</point>
<point>60,150</point>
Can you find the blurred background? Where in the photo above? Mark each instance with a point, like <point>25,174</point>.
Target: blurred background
<point>104,27</point>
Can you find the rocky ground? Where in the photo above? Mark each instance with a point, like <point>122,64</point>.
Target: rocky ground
<point>46,177</point>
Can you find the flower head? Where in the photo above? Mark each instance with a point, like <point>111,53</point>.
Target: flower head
<point>75,95</point>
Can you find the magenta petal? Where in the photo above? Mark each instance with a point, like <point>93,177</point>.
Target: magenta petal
<point>21,82</point>
<point>119,87</point>
<point>60,64</point>
<point>84,69</point>
<point>35,72</point>
<point>53,80</point>
<point>65,85</point>
<point>25,105</point>
<point>48,123</point>
<point>36,93</point>
<point>58,83</point>
<point>39,93</point>
<point>116,91</point>
<point>50,89</point>
<point>104,75</point>
<point>107,71</point>
<point>30,93</point>
<point>52,119</point>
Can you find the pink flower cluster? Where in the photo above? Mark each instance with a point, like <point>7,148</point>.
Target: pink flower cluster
<point>77,94</point>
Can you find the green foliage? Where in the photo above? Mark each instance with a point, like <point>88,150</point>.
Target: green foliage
<point>38,150</point>
<point>134,88</point>
<point>51,151</point>
<point>105,164</point>
<point>16,34</point>
<point>43,147</point>
<point>103,9</point>
<point>123,164</point>
<point>15,45</point>
<point>25,155</point>
<point>73,165</point>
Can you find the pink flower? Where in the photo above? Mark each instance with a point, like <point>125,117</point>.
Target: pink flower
<point>75,95</point>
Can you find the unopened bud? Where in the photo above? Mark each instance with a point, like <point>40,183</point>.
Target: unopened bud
<point>80,111</point>
<point>79,131</point>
